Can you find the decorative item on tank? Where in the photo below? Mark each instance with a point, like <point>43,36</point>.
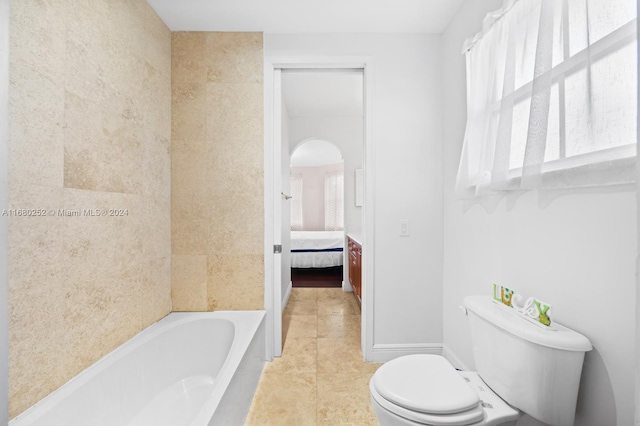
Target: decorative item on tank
<point>502,294</point>
<point>532,309</point>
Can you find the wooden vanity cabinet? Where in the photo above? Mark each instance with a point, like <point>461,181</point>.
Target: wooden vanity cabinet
<point>355,267</point>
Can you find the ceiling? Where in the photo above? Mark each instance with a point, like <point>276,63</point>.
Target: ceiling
<point>322,94</point>
<point>307,16</point>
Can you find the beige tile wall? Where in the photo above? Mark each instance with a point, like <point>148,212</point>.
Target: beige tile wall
<point>217,171</point>
<point>90,111</point>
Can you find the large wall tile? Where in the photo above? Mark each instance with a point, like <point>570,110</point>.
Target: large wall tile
<point>96,142</point>
<point>188,111</point>
<point>88,74</point>
<point>37,362</point>
<point>190,169</point>
<point>156,296</point>
<point>154,226</point>
<point>190,225</point>
<point>36,241</point>
<point>234,57</point>
<point>102,312</point>
<point>235,282</point>
<point>189,283</point>
<point>38,35</point>
<point>99,245</point>
<point>240,164</point>
<point>158,92</point>
<point>156,40</point>
<point>156,165</point>
<point>153,87</point>
<point>234,229</point>
<point>188,58</point>
<point>234,111</point>
<point>36,121</point>
<point>217,164</point>
<point>90,128</point>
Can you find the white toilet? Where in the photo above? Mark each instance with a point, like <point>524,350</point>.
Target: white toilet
<point>521,368</point>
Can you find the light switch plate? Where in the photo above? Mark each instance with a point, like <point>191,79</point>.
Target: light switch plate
<point>404,228</point>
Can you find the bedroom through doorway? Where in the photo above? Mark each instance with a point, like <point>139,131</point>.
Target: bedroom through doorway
<point>317,215</point>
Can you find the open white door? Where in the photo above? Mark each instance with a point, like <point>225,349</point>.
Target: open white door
<point>277,212</point>
<point>285,199</point>
<point>281,213</point>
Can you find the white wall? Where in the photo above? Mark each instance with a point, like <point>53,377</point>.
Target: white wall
<point>346,133</point>
<point>4,203</point>
<point>407,141</point>
<point>576,252</point>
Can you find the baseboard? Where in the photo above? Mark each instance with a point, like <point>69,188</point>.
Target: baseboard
<point>287,293</point>
<point>453,358</point>
<point>387,352</point>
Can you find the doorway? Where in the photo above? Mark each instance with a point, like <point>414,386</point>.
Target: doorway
<point>317,205</point>
<point>276,199</point>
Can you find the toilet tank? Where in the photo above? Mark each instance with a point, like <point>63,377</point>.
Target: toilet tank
<point>534,369</point>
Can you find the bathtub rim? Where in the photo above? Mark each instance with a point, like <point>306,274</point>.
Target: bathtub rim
<point>230,366</point>
<point>246,325</point>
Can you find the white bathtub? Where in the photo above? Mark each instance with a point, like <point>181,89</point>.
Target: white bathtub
<point>188,369</point>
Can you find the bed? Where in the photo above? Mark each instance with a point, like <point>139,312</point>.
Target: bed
<point>317,249</point>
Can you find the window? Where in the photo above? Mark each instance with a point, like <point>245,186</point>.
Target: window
<point>296,203</point>
<point>334,201</point>
<point>551,97</point>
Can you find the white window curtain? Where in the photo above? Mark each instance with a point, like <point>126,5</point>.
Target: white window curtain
<point>297,223</point>
<point>334,201</point>
<point>551,97</point>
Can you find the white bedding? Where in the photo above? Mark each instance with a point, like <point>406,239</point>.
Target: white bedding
<point>317,242</point>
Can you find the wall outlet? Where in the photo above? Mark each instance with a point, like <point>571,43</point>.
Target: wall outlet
<point>404,228</point>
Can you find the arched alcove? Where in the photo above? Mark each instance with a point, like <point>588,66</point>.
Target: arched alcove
<point>317,186</point>
<point>314,153</point>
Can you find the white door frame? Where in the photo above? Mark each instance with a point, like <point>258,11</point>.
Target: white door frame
<point>272,296</point>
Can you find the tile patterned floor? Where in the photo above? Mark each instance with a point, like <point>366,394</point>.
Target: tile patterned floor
<point>321,378</point>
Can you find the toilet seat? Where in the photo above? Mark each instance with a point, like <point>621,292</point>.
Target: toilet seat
<point>424,383</point>
<point>453,405</point>
<point>469,417</point>
<point>426,389</point>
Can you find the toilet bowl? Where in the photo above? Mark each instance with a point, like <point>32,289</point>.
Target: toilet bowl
<point>428,390</point>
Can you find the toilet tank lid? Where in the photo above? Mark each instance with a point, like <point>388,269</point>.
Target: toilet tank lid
<point>509,320</point>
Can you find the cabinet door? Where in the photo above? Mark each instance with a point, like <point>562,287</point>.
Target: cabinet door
<point>355,267</point>
<point>358,267</point>
<point>350,259</point>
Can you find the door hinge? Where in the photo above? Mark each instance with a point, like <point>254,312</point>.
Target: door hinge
<point>277,248</point>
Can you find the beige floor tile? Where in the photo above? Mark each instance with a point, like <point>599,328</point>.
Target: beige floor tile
<point>339,326</point>
<point>299,355</point>
<point>303,293</point>
<point>321,377</point>
<point>343,399</point>
<point>333,293</point>
<point>335,306</point>
<point>299,326</point>
<point>301,307</point>
<point>337,356</point>
<point>283,400</point>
